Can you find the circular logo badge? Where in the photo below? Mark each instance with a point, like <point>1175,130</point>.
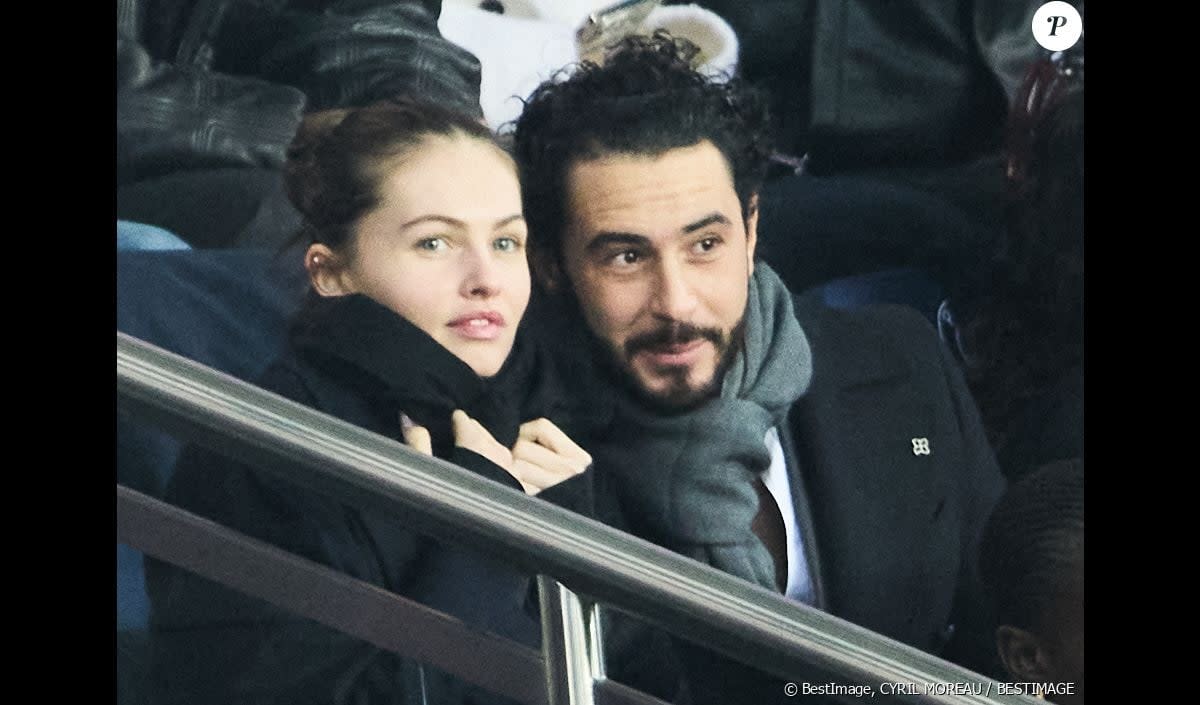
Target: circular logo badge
<point>1057,26</point>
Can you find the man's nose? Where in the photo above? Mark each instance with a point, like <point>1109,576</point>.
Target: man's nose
<point>674,297</point>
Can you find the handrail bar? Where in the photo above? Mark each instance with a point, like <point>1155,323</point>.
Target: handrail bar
<point>686,597</point>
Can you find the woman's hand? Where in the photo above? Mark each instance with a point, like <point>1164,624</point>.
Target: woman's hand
<point>545,456</point>
<point>469,434</point>
<point>416,436</point>
<point>542,457</point>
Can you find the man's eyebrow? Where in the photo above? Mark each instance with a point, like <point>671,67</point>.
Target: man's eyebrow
<point>707,221</point>
<point>608,239</point>
<point>455,223</point>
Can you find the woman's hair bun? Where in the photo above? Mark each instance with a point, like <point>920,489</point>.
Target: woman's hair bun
<point>302,173</point>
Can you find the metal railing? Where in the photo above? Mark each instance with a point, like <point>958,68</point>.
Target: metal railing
<point>575,555</point>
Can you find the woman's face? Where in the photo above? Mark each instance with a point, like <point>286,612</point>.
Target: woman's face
<point>445,248</point>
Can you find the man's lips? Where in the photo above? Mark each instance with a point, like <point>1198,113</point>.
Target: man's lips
<point>478,325</point>
<point>674,354</point>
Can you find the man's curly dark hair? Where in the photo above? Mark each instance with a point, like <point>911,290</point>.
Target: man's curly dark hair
<point>645,99</point>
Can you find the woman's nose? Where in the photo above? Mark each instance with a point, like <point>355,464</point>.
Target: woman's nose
<point>481,278</point>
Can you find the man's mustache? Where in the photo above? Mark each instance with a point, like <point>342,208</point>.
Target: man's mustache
<point>673,333</point>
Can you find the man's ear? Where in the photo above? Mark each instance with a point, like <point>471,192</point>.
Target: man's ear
<point>327,271</point>
<point>751,230</point>
<point>1023,654</point>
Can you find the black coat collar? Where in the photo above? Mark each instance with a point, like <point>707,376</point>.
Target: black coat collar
<point>396,367</point>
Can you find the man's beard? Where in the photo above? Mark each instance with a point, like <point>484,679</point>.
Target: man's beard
<point>680,395</point>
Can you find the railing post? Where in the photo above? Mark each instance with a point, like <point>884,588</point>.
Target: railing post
<point>571,644</point>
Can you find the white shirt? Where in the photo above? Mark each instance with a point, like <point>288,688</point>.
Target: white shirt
<point>799,583</point>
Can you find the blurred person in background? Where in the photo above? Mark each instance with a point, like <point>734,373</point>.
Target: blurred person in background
<point>1016,322</point>
<point>1032,562</point>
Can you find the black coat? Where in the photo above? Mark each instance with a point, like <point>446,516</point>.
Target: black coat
<point>896,531</point>
<point>891,533</point>
<point>357,361</point>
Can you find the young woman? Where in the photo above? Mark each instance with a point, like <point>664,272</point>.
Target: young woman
<point>412,330</point>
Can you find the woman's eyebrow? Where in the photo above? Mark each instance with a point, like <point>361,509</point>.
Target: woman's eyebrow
<point>453,222</point>
<point>510,219</point>
<point>456,223</point>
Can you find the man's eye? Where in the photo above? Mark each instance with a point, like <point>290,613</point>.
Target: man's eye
<point>507,244</point>
<point>432,244</point>
<point>708,244</point>
<point>625,258</point>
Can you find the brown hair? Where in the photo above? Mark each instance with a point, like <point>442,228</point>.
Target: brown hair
<point>333,166</point>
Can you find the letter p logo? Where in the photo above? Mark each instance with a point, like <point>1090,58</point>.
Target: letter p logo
<point>1057,26</point>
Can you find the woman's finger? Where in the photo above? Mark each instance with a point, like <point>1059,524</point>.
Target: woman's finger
<point>416,436</point>
<point>535,478</point>
<point>547,459</point>
<point>543,432</point>
<point>470,434</point>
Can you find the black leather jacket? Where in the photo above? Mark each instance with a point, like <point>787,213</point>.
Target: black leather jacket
<point>870,83</point>
<point>212,83</point>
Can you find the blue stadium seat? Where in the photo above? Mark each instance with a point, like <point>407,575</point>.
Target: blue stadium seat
<point>225,308</point>
<point>906,286</point>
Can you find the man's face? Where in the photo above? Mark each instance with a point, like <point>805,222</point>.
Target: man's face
<point>660,260</point>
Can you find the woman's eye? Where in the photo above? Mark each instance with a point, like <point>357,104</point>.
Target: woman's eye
<point>507,244</point>
<point>432,244</point>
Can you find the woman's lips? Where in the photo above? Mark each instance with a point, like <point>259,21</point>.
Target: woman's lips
<point>478,325</point>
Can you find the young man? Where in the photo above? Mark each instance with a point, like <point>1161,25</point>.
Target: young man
<point>836,456</point>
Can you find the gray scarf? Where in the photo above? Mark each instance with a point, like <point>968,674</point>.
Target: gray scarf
<point>685,479</point>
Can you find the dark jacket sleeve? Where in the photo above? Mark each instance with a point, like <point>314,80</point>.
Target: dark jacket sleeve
<point>172,117</point>
<point>229,85</point>
<point>360,52</point>
<point>575,493</point>
<point>212,644</point>
<point>973,642</point>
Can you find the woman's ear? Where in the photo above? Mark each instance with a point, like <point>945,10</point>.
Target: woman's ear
<point>327,271</point>
<point>1023,653</point>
